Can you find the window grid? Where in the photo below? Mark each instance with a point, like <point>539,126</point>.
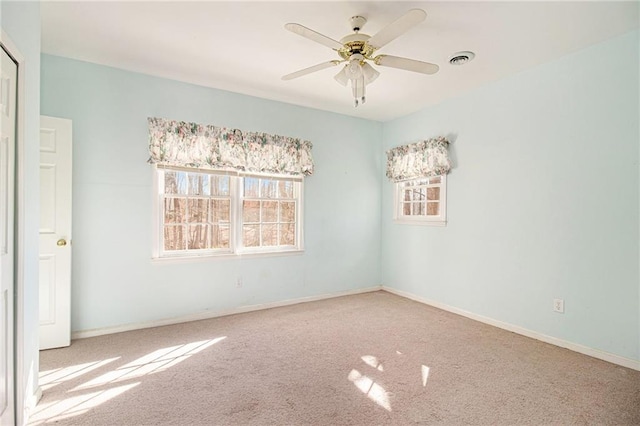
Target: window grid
<point>269,209</point>
<point>421,200</point>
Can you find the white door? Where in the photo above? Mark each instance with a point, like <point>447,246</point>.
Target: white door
<point>55,232</point>
<point>8,98</point>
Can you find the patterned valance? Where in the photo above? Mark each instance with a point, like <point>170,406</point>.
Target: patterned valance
<point>422,159</point>
<point>177,143</point>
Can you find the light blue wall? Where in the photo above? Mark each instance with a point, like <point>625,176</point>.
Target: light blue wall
<point>114,281</point>
<point>21,21</point>
<point>542,201</point>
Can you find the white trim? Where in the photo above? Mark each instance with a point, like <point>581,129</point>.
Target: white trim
<point>20,397</point>
<point>31,402</point>
<point>225,256</point>
<point>229,172</point>
<point>421,222</point>
<point>208,314</point>
<point>400,218</point>
<point>155,219</point>
<point>585,350</point>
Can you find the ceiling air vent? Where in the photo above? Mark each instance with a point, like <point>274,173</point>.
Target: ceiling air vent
<point>461,58</point>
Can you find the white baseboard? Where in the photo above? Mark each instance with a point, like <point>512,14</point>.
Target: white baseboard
<point>30,404</point>
<point>209,314</point>
<point>585,350</point>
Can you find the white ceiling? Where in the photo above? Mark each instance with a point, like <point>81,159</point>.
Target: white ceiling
<point>243,46</point>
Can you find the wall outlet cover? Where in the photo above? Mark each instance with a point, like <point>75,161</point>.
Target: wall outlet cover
<point>558,305</point>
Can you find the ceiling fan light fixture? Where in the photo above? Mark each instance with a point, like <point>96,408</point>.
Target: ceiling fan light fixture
<point>342,77</point>
<point>354,68</point>
<point>370,73</point>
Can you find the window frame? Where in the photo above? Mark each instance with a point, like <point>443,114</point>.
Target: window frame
<point>298,189</point>
<point>236,198</point>
<point>398,211</point>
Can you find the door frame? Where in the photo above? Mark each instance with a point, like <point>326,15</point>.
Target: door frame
<point>22,403</point>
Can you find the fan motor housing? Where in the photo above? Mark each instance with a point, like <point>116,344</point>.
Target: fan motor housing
<point>354,44</point>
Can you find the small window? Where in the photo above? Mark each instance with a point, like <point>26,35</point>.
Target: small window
<point>206,213</point>
<point>421,201</point>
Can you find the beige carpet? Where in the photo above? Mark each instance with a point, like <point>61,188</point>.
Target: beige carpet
<point>371,359</point>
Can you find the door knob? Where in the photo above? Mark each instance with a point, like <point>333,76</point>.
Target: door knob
<point>62,242</point>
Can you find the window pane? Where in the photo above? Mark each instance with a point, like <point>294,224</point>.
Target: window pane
<point>181,183</point>
<point>270,235</point>
<point>407,195</point>
<point>418,209</point>
<point>287,211</point>
<point>251,211</point>
<point>269,211</point>
<point>251,187</point>
<point>251,235</point>
<point>219,185</point>
<point>433,193</point>
<point>285,189</point>
<point>433,209</point>
<point>220,210</point>
<point>406,209</point>
<point>170,183</point>
<point>436,179</point>
<point>174,238</point>
<point>418,194</point>
<point>268,188</point>
<point>198,184</point>
<point>220,236</point>
<point>287,234</point>
<point>174,210</point>
<point>198,237</point>
<point>198,211</point>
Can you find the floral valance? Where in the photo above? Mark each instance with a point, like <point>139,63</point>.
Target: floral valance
<point>178,143</point>
<point>422,159</point>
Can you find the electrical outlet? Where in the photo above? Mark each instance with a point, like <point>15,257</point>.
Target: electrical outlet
<point>558,305</point>
<point>239,282</point>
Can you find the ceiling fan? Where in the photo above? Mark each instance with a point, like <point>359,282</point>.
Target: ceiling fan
<point>358,50</point>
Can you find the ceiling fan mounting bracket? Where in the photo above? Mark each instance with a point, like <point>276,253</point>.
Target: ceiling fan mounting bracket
<point>357,22</point>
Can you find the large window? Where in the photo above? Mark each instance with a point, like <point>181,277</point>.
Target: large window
<point>421,201</point>
<point>206,213</point>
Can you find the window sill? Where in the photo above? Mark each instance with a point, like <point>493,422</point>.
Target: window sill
<point>225,256</point>
<point>421,222</point>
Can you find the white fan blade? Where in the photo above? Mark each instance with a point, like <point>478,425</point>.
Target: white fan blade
<point>397,28</point>
<point>310,70</point>
<point>406,64</point>
<point>315,36</point>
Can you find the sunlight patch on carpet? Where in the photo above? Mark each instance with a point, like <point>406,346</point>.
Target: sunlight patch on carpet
<point>152,363</point>
<point>51,378</point>
<point>76,405</point>
<point>425,375</point>
<point>372,361</point>
<point>374,391</point>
